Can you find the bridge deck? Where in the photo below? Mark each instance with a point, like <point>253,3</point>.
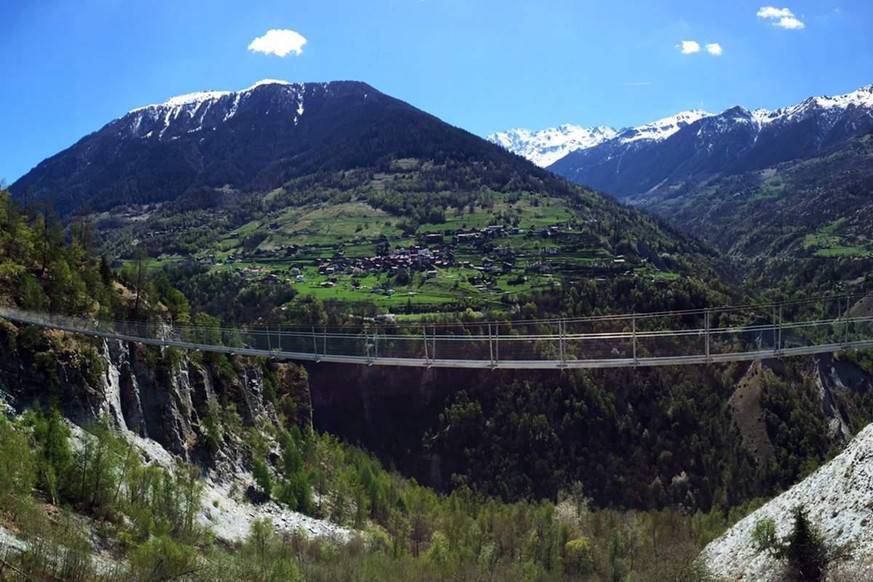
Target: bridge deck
<point>607,342</point>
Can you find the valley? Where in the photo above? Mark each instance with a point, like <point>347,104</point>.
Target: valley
<point>335,206</point>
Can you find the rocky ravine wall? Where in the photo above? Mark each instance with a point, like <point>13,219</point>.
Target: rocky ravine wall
<point>158,394</point>
<point>157,400</point>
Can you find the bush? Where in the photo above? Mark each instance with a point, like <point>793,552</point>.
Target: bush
<point>764,535</point>
<point>803,549</point>
<point>162,558</point>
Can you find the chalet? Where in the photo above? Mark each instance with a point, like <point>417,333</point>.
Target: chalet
<point>506,251</point>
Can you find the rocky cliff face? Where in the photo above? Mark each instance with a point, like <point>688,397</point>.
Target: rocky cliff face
<point>160,394</point>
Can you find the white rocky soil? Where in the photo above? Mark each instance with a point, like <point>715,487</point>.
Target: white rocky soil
<point>839,502</point>
<point>228,514</point>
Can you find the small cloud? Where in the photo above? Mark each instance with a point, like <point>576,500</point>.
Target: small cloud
<point>279,42</point>
<point>790,23</point>
<point>772,12</point>
<point>714,48</point>
<point>689,47</point>
<point>781,17</point>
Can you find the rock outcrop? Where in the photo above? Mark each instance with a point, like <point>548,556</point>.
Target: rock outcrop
<point>838,499</point>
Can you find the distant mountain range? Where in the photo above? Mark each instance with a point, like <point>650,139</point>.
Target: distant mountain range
<point>546,146</point>
<point>693,147</point>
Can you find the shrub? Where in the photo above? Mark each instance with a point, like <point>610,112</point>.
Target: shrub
<point>261,473</point>
<point>162,558</point>
<point>764,535</point>
<point>17,466</point>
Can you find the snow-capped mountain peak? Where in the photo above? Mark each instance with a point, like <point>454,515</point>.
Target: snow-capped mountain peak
<point>267,82</point>
<point>545,147</point>
<point>862,98</point>
<point>192,112</point>
<point>202,96</point>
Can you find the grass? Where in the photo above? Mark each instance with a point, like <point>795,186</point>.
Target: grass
<point>844,251</point>
<point>320,224</point>
<point>827,242</point>
<point>320,231</point>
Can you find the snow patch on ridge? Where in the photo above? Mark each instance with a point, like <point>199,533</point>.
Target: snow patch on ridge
<point>663,128</point>
<point>183,100</point>
<point>196,107</point>
<point>267,82</point>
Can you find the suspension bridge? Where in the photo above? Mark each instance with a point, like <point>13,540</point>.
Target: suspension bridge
<point>715,335</point>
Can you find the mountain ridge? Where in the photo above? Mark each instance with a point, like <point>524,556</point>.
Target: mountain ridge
<point>528,143</point>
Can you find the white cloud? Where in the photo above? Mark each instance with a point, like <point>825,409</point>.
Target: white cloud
<point>279,42</point>
<point>714,48</point>
<point>790,23</point>
<point>781,17</point>
<point>771,12</point>
<point>689,47</point>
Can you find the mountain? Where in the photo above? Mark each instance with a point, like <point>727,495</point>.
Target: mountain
<point>708,146</point>
<point>547,146</point>
<point>250,140</point>
<point>788,189</point>
<point>280,164</point>
<point>816,206</point>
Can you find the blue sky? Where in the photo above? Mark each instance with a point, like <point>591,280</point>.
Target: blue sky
<point>70,66</point>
